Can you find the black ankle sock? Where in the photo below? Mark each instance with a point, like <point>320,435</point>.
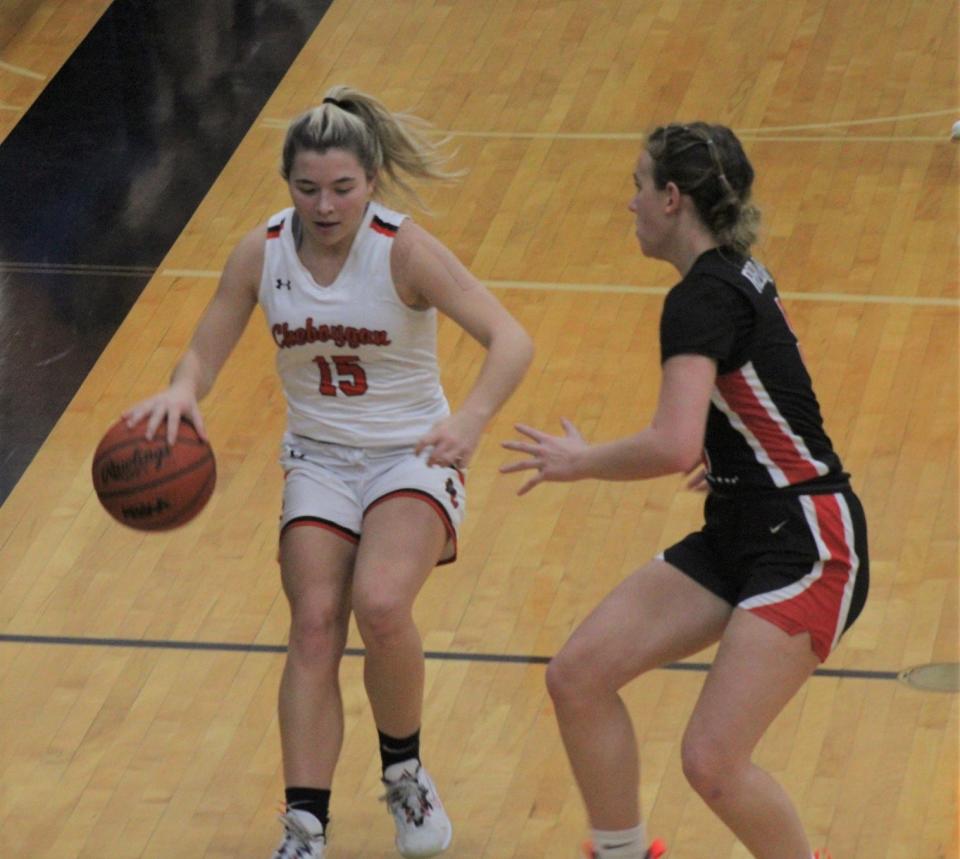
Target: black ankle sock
<point>311,799</point>
<point>395,750</point>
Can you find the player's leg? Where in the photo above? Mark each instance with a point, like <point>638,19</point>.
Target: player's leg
<point>316,566</point>
<point>318,545</point>
<point>412,514</point>
<point>316,569</point>
<point>402,540</point>
<point>757,670</point>
<point>809,588</point>
<point>655,616</point>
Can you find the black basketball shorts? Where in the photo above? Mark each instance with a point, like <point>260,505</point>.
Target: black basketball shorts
<point>799,561</point>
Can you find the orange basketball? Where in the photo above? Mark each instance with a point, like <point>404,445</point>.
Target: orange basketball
<point>148,484</point>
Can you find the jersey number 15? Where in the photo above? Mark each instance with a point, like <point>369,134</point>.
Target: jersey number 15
<point>351,380</point>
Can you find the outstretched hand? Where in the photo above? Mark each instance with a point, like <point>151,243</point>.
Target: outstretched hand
<point>554,458</point>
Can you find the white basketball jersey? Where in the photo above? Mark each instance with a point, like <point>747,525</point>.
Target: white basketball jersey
<point>358,366</point>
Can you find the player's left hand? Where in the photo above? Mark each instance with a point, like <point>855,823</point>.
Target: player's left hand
<point>452,441</point>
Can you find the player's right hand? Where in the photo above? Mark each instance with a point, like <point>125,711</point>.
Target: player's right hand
<point>550,457</point>
<point>176,402</point>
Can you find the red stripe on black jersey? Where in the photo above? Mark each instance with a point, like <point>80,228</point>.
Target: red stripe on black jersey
<point>383,227</point>
<point>820,602</point>
<point>273,231</point>
<point>752,413</point>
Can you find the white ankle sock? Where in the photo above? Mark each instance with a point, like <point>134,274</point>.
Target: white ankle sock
<point>620,844</point>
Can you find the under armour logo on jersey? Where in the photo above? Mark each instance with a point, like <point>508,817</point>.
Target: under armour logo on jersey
<point>451,488</point>
<point>281,283</point>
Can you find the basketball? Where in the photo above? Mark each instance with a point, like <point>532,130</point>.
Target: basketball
<point>148,484</point>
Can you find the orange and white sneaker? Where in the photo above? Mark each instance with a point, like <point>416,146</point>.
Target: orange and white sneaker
<point>656,849</point>
<point>821,854</point>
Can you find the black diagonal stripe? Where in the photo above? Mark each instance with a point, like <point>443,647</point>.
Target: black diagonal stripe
<point>91,204</point>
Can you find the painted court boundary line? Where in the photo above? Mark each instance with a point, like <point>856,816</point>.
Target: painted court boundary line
<point>835,297</point>
<point>438,655</point>
<point>622,288</point>
<point>842,297</point>
<point>139,271</point>
<point>636,136</point>
<point>22,72</point>
<point>774,133</point>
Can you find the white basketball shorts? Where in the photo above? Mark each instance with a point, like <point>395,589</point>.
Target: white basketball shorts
<point>333,486</point>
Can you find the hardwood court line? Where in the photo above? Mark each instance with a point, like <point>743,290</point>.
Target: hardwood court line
<point>189,272</point>
<point>18,70</point>
<point>833,297</point>
<point>772,132</point>
<point>743,135</point>
<point>844,123</point>
<point>78,268</point>
<point>439,655</point>
<point>845,138</point>
<point>600,136</point>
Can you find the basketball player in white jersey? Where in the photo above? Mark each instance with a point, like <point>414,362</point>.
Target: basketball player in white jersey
<point>373,457</point>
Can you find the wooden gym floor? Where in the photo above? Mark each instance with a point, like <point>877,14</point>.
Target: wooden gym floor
<point>138,673</point>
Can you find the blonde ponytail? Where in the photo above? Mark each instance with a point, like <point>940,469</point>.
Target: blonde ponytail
<point>392,146</point>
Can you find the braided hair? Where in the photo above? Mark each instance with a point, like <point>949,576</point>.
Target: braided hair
<point>708,164</point>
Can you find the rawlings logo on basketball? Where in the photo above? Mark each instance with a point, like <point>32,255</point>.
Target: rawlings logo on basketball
<point>140,461</point>
<point>145,511</point>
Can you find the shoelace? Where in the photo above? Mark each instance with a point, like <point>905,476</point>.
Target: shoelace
<point>407,797</point>
<point>298,839</point>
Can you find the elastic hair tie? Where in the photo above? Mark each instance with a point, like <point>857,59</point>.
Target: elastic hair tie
<point>718,164</point>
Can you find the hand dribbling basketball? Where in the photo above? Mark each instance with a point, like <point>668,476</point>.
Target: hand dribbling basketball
<point>151,484</point>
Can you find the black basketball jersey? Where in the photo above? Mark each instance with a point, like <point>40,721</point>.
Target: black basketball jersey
<point>764,429</point>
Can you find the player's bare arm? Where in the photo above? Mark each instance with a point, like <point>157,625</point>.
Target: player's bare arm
<point>428,274</point>
<point>216,334</point>
<point>673,441</point>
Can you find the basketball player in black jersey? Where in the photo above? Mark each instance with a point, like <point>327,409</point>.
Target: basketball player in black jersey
<point>779,570</point>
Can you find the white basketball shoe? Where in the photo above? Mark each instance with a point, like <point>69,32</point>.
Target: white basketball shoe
<point>423,828</point>
<point>303,837</point>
